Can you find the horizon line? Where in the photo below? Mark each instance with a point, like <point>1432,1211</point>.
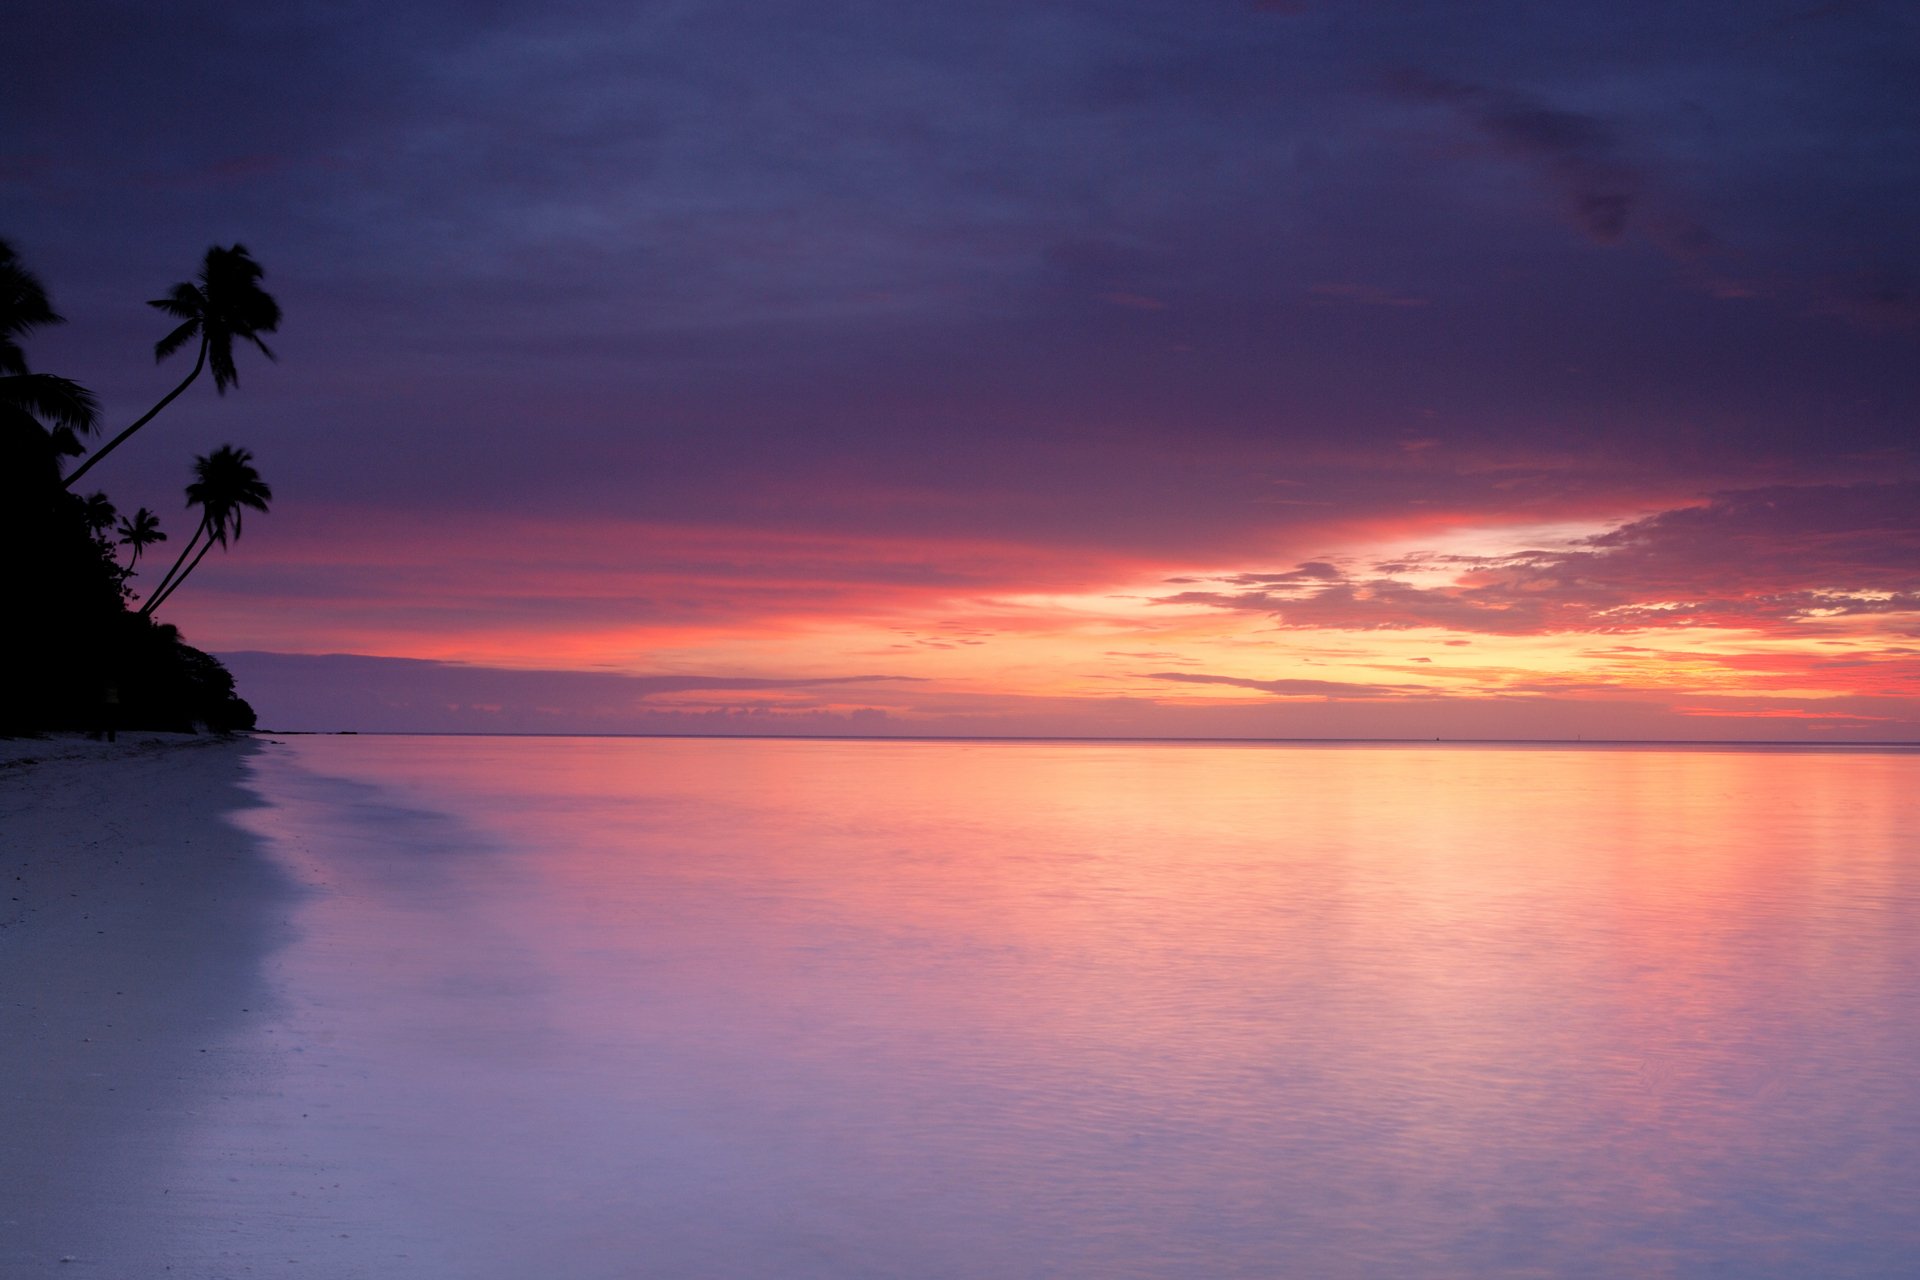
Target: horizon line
<point>1847,743</point>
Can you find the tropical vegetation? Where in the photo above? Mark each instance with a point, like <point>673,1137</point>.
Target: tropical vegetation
<point>226,485</point>
<point>139,531</point>
<point>84,649</point>
<point>228,303</point>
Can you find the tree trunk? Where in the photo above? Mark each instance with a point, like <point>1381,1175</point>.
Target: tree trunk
<point>154,601</point>
<point>145,418</point>
<point>153,596</point>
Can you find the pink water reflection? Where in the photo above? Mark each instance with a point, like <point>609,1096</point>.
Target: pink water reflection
<point>756,1008</point>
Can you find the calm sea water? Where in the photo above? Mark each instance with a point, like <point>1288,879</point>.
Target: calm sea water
<point>679,1008</point>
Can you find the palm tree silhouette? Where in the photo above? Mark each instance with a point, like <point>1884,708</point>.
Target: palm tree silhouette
<point>98,512</point>
<point>51,412</point>
<point>24,305</point>
<point>139,531</point>
<point>227,484</point>
<point>228,303</point>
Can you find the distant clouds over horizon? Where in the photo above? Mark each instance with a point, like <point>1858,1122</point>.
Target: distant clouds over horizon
<point>1379,365</point>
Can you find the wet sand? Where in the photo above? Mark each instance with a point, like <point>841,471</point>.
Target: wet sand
<point>134,923</point>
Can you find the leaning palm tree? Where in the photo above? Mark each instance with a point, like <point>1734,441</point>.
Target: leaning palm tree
<point>228,303</point>
<point>225,486</point>
<point>139,531</point>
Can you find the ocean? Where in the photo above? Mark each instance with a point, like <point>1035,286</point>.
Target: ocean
<point>801,1008</point>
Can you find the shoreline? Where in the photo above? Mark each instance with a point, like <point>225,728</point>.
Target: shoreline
<point>135,923</point>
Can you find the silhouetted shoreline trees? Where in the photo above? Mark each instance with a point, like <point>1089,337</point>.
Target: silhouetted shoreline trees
<point>74,653</point>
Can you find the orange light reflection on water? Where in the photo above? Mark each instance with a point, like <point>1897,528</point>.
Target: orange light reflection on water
<point>1182,1009</point>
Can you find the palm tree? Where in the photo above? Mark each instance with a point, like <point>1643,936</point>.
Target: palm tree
<point>24,305</point>
<point>228,303</point>
<point>227,484</point>
<point>140,531</point>
<point>39,412</point>
<point>60,408</point>
<point>98,513</point>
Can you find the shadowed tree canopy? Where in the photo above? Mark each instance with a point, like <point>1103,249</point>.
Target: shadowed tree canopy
<point>98,511</point>
<point>24,306</point>
<point>74,656</point>
<point>41,416</point>
<point>225,306</point>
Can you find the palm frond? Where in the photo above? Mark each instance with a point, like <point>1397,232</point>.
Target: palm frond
<point>220,360</point>
<point>177,339</point>
<point>183,302</point>
<point>225,483</point>
<point>141,529</point>
<point>57,401</point>
<point>236,307</point>
<point>24,306</point>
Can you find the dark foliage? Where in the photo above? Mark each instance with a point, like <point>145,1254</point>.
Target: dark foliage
<point>72,654</point>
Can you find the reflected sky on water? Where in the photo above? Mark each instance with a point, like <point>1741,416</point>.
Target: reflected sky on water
<point>732,1008</point>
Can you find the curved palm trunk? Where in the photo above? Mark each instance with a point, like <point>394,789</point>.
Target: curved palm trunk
<point>168,578</point>
<point>159,597</point>
<point>145,418</point>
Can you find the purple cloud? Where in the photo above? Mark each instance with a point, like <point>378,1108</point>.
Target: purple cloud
<point>1578,152</point>
<point>1777,559</point>
<point>616,282</point>
<point>1289,688</point>
<point>375,694</point>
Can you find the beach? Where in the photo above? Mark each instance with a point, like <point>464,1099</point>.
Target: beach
<point>134,923</point>
<point>484,1008</point>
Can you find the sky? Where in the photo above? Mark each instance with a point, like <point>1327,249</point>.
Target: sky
<point>1192,368</point>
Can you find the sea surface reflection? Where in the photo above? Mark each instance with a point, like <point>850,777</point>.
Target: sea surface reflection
<point>738,1008</point>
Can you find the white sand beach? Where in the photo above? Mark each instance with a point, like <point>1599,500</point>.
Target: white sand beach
<point>133,922</point>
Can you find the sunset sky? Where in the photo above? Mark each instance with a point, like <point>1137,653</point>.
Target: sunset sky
<point>1137,367</point>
